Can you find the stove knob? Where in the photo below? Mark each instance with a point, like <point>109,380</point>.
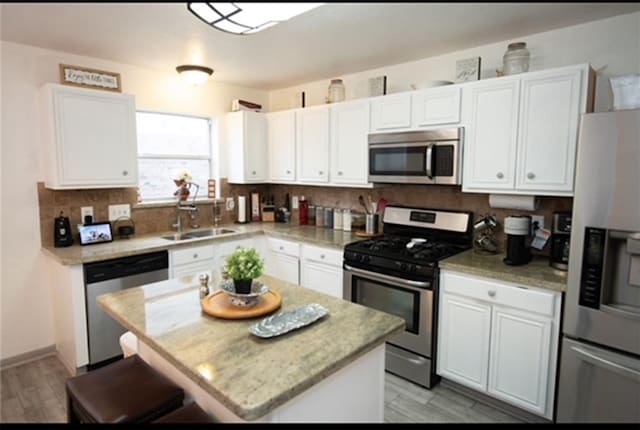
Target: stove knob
<point>403,266</point>
<point>366,259</point>
<point>413,268</point>
<point>359,257</point>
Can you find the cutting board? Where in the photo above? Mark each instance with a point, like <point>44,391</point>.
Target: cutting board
<point>218,305</point>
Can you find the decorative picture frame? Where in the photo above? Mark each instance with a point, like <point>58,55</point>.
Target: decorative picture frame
<point>90,78</point>
<point>378,86</point>
<point>468,69</point>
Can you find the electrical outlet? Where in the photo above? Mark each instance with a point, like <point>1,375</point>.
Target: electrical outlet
<point>294,202</point>
<point>86,211</point>
<point>539,219</point>
<point>117,211</point>
<point>230,204</point>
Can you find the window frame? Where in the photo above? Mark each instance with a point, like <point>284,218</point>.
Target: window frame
<point>213,169</point>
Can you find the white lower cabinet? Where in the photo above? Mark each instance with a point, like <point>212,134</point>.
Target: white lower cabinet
<point>321,270</point>
<point>500,339</point>
<point>283,260</point>
<point>191,261</point>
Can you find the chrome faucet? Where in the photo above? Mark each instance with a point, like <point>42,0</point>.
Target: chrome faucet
<point>188,207</point>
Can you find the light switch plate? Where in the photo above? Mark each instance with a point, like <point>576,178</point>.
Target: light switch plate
<point>540,220</point>
<point>117,211</point>
<point>294,202</point>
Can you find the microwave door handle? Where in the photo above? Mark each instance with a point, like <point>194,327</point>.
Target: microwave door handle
<point>429,162</point>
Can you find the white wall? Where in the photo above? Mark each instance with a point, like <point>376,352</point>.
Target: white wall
<point>612,45</point>
<point>25,295</point>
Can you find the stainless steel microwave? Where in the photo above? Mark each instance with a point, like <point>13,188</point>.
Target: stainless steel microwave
<point>416,157</point>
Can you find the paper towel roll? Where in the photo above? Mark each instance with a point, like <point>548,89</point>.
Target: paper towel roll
<point>242,209</point>
<point>511,201</point>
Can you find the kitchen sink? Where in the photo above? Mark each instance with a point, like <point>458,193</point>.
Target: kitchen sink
<point>211,232</point>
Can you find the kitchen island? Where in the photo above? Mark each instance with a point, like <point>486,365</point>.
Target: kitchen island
<point>332,370</point>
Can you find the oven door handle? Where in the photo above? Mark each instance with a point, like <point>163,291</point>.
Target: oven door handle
<point>370,275</point>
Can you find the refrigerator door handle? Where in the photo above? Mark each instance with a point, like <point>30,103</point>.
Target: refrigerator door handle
<point>601,362</point>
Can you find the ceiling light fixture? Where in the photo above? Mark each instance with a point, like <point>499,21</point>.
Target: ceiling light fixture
<point>247,18</point>
<point>195,75</point>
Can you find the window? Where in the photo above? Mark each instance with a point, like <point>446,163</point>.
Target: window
<point>168,143</point>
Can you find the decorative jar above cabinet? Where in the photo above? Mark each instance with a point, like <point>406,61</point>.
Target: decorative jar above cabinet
<point>89,138</point>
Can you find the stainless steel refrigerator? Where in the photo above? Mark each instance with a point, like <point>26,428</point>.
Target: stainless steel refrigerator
<point>599,378</point>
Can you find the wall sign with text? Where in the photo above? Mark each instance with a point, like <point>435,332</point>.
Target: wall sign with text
<point>90,78</point>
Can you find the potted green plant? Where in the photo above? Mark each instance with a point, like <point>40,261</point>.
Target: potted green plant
<point>243,266</point>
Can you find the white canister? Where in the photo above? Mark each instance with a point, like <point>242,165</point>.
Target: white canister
<point>337,219</point>
<point>346,220</point>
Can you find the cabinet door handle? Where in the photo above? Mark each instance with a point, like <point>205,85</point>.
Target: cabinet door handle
<point>499,175</point>
<point>320,172</point>
<point>530,175</point>
<point>491,293</point>
<point>125,173</point>
<point>339,173</point>
<point>253,173</point>
<point>195,255</point>
<point>288,172</point>
<point>282,248</point>
<point>322,256</point>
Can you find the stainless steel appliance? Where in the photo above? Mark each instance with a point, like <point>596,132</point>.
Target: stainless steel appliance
<point>109,276</point>
<point>517,229</point>
<point>398,273</point>
<point>416,157</point>
<point>560,240</point>
<point>599,377</point>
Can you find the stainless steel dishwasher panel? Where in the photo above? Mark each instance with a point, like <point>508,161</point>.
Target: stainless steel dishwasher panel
<point>103,331</point>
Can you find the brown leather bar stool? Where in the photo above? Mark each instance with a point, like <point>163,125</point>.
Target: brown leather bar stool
<point>128,390</point>
<point>191,413</point>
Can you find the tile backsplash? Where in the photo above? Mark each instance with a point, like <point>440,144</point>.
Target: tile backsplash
<point>152,219</point>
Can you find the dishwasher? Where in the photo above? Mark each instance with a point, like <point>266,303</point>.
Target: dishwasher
<point>107,277</point>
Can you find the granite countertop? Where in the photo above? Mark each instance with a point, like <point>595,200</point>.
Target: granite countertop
<point>77,254</point>
<point>537,273</point>
<point>249,375</point>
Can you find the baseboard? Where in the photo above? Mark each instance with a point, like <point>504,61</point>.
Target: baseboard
<point>498,404</point>
<point>26,357</point>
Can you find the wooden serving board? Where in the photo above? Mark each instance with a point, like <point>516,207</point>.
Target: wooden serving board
<point>218,305</point>
<point>363,233</point>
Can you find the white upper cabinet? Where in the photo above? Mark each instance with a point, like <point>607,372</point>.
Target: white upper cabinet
<point>247,147</point>
<point>89,138</point>
<point>435,106</point>
<point>522,131</point>
<point>491,133</point>
<point>391,112</point>
<point>349,146</point>
<point>548,132</point>
<point>281,130</point>
<point>312,135</point>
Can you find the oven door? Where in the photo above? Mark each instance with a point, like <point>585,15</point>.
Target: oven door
<point>410,300</point>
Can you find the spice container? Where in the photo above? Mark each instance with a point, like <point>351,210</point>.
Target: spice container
<point>516,59</point>
<point>311,215</point>
<point>319,216</point>
<point>337,219</point>
<point>346,220</point>
<point>328,217</point>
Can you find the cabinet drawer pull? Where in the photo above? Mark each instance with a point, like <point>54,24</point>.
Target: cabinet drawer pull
<point>499,175</point>
<point>339,173</point>
<point>320,172</point>
<point>281,248</point>
<point>491,293</point>
<point>253,173</point>
<point>195,255</point>
<point>125,173</point>
<point>322,256</point>
<point>530,175</point>
<point>288,172</point>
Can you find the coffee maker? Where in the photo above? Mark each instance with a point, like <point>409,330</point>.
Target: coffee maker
<point>560,240</point>
<point>518,230</point>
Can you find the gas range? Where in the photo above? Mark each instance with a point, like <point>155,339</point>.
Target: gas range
<point>397,273</point>
<point>413,257</point>
<point>414,240</point>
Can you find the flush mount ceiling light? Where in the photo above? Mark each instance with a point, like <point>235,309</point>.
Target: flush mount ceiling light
<point>195,75</point>
<point>247,18</point>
